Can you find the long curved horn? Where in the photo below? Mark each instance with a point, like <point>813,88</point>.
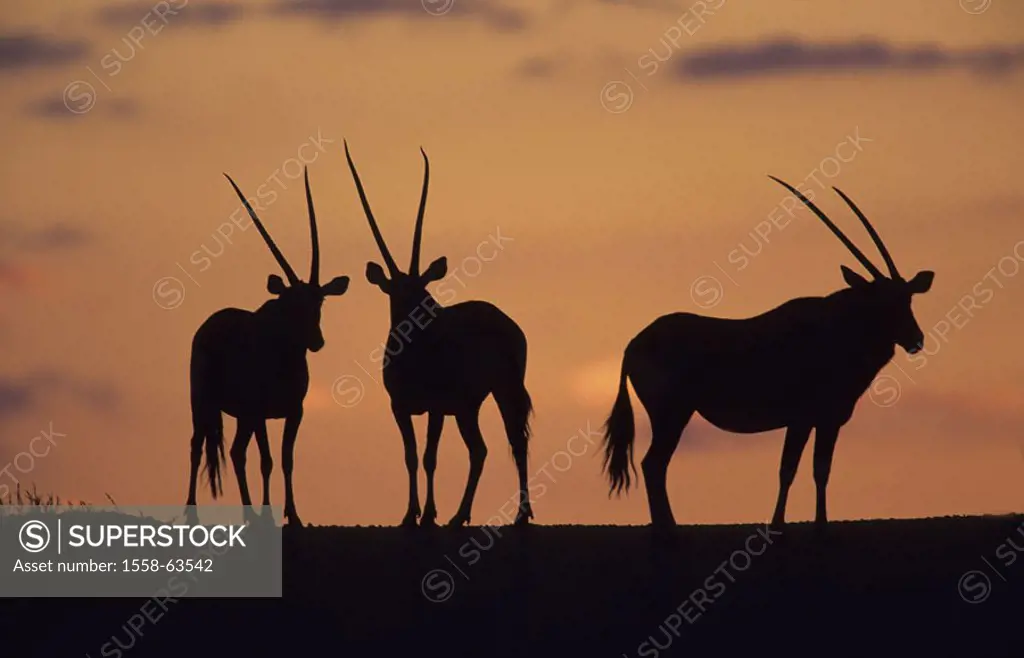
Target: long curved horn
<point>388,260</point>
<point>288,271</point>
<point>835,229</point>
<point>314,267</point>
<point>893,272</point>
<point>414,267</point>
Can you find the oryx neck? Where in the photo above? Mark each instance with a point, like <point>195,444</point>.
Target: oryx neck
<point>417,314</point>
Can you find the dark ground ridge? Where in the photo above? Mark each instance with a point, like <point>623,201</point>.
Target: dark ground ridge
<point>866,588</point>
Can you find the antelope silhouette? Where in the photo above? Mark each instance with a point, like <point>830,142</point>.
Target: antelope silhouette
<point>802,365</point>
<point>252,365</point>
<point>446,361</point>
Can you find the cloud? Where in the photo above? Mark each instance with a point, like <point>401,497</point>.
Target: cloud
<point>787,56</point>
<point>213,13</point>
<point>14,398</point>
<point>19,395</point>
<point>642,4</point>
<point>207,13</point>
<point>57,108</point>
<point>51,237</point>
<point>13,276</point>
<point>537,67</point>
<point>498,17</point>
<point>24,51</point>
<point>38,393</point>
<point>911,409</point>
<point>20,240</point>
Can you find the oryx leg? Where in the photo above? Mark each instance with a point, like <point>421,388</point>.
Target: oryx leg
<point>667,426</point>
<point>291,433</point>
<point>824,448</point>
<point>469,427</point>
<point>239,447</point>
<point>792,449</point>
<point>405,426</point>
<point>266,460</point>
<point>435,423</point>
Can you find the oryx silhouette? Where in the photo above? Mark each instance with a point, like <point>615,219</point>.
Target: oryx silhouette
<point>801,366</point>
<point>446,361</point>
<point>252,365</point>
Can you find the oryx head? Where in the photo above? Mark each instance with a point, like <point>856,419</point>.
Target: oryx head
<point>300,301</point>
<point>887,298</point>
<point>406,290</point>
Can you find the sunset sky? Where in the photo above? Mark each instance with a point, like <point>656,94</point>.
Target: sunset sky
<point>619,148</point>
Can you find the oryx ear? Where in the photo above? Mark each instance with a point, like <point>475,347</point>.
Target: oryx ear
<point>275,285</point>
<point>336,286</point>
<point>375,275</point>
<point>436,271</point>
<point>922,282</point>
<point>852,278</point>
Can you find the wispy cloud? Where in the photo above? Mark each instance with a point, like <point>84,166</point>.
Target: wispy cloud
<point>499,17</point>
<point>787,56</point>
<point>13,276</point>
<point>18,240</point>
<point>57,108</point>
<point>37,395</point>
<point>214,13</point>
<point>25,51</point>
<point>19,395</point>
<point>537,67</point>
<point>642,4</point>
<point>59,235</point>
<point>208,13</point>
<point>951,416</point>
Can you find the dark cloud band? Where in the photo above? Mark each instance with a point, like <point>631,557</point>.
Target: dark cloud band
<point>790,57</point>
<point>23,51</point>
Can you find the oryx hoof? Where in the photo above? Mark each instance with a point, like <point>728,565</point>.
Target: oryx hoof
<point>459,520</point>
<point>293,520</point>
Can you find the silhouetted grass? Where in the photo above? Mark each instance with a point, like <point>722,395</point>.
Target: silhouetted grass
<point>33,498</point>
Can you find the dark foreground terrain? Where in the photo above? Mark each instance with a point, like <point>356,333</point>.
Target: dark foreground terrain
<point>935,587</point>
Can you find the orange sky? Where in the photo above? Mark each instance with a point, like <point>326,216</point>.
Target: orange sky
<point>625,188</point>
